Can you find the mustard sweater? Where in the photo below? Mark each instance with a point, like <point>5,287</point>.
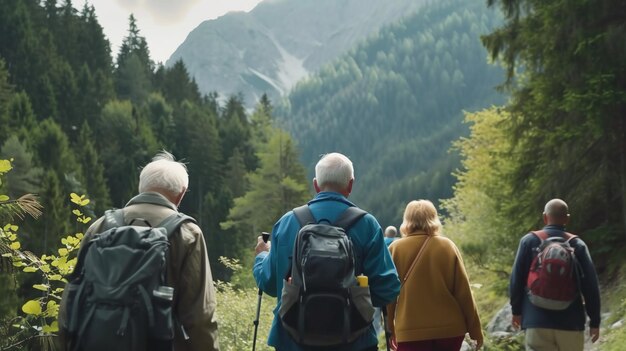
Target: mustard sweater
<point>436,301</point>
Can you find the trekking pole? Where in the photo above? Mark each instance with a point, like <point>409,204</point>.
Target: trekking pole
<point>266,237</point>
<point>387,332</point>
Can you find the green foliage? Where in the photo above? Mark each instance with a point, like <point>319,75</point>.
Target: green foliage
<point>394,104</point>
<point>482,192</point>
<point>237,311</point>
<point>279,184</point>
<point>567,108</point>
<point>25,178</point>
<point>38,316</point>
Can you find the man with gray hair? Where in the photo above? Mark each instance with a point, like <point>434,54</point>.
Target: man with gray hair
<point>550,324</point>
<point>162,186</point>
<point>391,233</point>
<point>334,178</point>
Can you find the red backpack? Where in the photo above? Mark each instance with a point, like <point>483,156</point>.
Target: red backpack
<point>553,277</point>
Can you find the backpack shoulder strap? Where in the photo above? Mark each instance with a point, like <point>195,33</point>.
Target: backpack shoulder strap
<point>349,217</point>
<point>304,215</point>
<point>569,236</point>
<point>173,222</point>
<point>541,234</point>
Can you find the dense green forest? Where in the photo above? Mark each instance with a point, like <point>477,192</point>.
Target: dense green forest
<point>395,103</point>
<point>73,120</point>
<point>77,118</point>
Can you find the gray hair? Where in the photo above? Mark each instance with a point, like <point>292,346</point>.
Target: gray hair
<point>164,173</point>
<point>391,232</point>
<point>334,170</point>
<point>556,208</point>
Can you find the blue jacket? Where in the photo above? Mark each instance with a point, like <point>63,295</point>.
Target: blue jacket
<point>572,318</point>
<point>371,254</point>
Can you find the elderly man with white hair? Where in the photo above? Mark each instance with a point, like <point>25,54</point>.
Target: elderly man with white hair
<point>334,178</point>
<point>162,186</point>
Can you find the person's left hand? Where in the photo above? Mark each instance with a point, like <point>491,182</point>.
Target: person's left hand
<point>261,246</point>
<point>594,333</point>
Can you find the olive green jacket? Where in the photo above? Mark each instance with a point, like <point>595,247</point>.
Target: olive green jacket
<point>188,271</point>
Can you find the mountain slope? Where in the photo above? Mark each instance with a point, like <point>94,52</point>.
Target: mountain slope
<point>394,104</point>
<point>279,42</point>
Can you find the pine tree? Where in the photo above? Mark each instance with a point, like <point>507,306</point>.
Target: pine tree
<point>93,169</point>
<point>279,184</point>
<point>133,75</point>
<point>567,112</point>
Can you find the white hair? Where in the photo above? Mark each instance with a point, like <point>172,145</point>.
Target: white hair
<point>164,173</point>
<point>334,170</point>
<point>391,232</point>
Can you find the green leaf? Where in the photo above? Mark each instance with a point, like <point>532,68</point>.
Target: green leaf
<point>75,198</point>
<point>15,245</point>
<point>4,198</point>
<point>32,307</point>
<point>42,287</point>
<point>30,269</point>
<point>54,327</point>
<point>63,252</point>
<point>5,166</point>
<point>77,212</point>
<point>84,202</point>
<point>55,277</point>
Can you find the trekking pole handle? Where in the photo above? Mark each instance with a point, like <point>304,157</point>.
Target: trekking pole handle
<point>265,236</point>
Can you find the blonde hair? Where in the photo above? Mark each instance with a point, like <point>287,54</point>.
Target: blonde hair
<point>420,215</point>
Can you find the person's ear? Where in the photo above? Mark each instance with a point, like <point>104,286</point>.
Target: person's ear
<point>179,197</point>
<point>349,189</point>
<point>316,186</point>
<point>545,219</point>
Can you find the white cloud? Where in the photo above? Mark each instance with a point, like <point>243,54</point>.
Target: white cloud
<point>165,12</point>
<point>164,23</point>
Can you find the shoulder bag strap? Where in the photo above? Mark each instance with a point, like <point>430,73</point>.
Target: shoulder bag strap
<point>417,257</point>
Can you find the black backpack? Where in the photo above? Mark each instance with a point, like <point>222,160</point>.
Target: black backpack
<point>322,305</point>
<point>117,297</point>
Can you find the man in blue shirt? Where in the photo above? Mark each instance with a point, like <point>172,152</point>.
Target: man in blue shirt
<point>555,329</point>
<point>334,177</point>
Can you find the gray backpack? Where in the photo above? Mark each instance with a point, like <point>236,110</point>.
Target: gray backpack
<point>117,296</point>
<point>322,305</point>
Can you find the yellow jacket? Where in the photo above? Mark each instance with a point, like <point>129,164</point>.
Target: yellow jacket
<point>435,302</point>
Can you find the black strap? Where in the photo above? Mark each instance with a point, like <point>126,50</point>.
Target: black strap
<point>349,217</point>
<point>346,220</point>
<point>304,215</point>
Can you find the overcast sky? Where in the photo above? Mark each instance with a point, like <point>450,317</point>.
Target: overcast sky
<point>164,23</point>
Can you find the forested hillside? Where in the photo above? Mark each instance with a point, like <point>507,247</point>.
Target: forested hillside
<point>561,135</point>
<point>394,104</point>
<point>73,120</point>
<point>269,49</point>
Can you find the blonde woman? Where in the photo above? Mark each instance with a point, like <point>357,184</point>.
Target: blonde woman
<point>435,307</point>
